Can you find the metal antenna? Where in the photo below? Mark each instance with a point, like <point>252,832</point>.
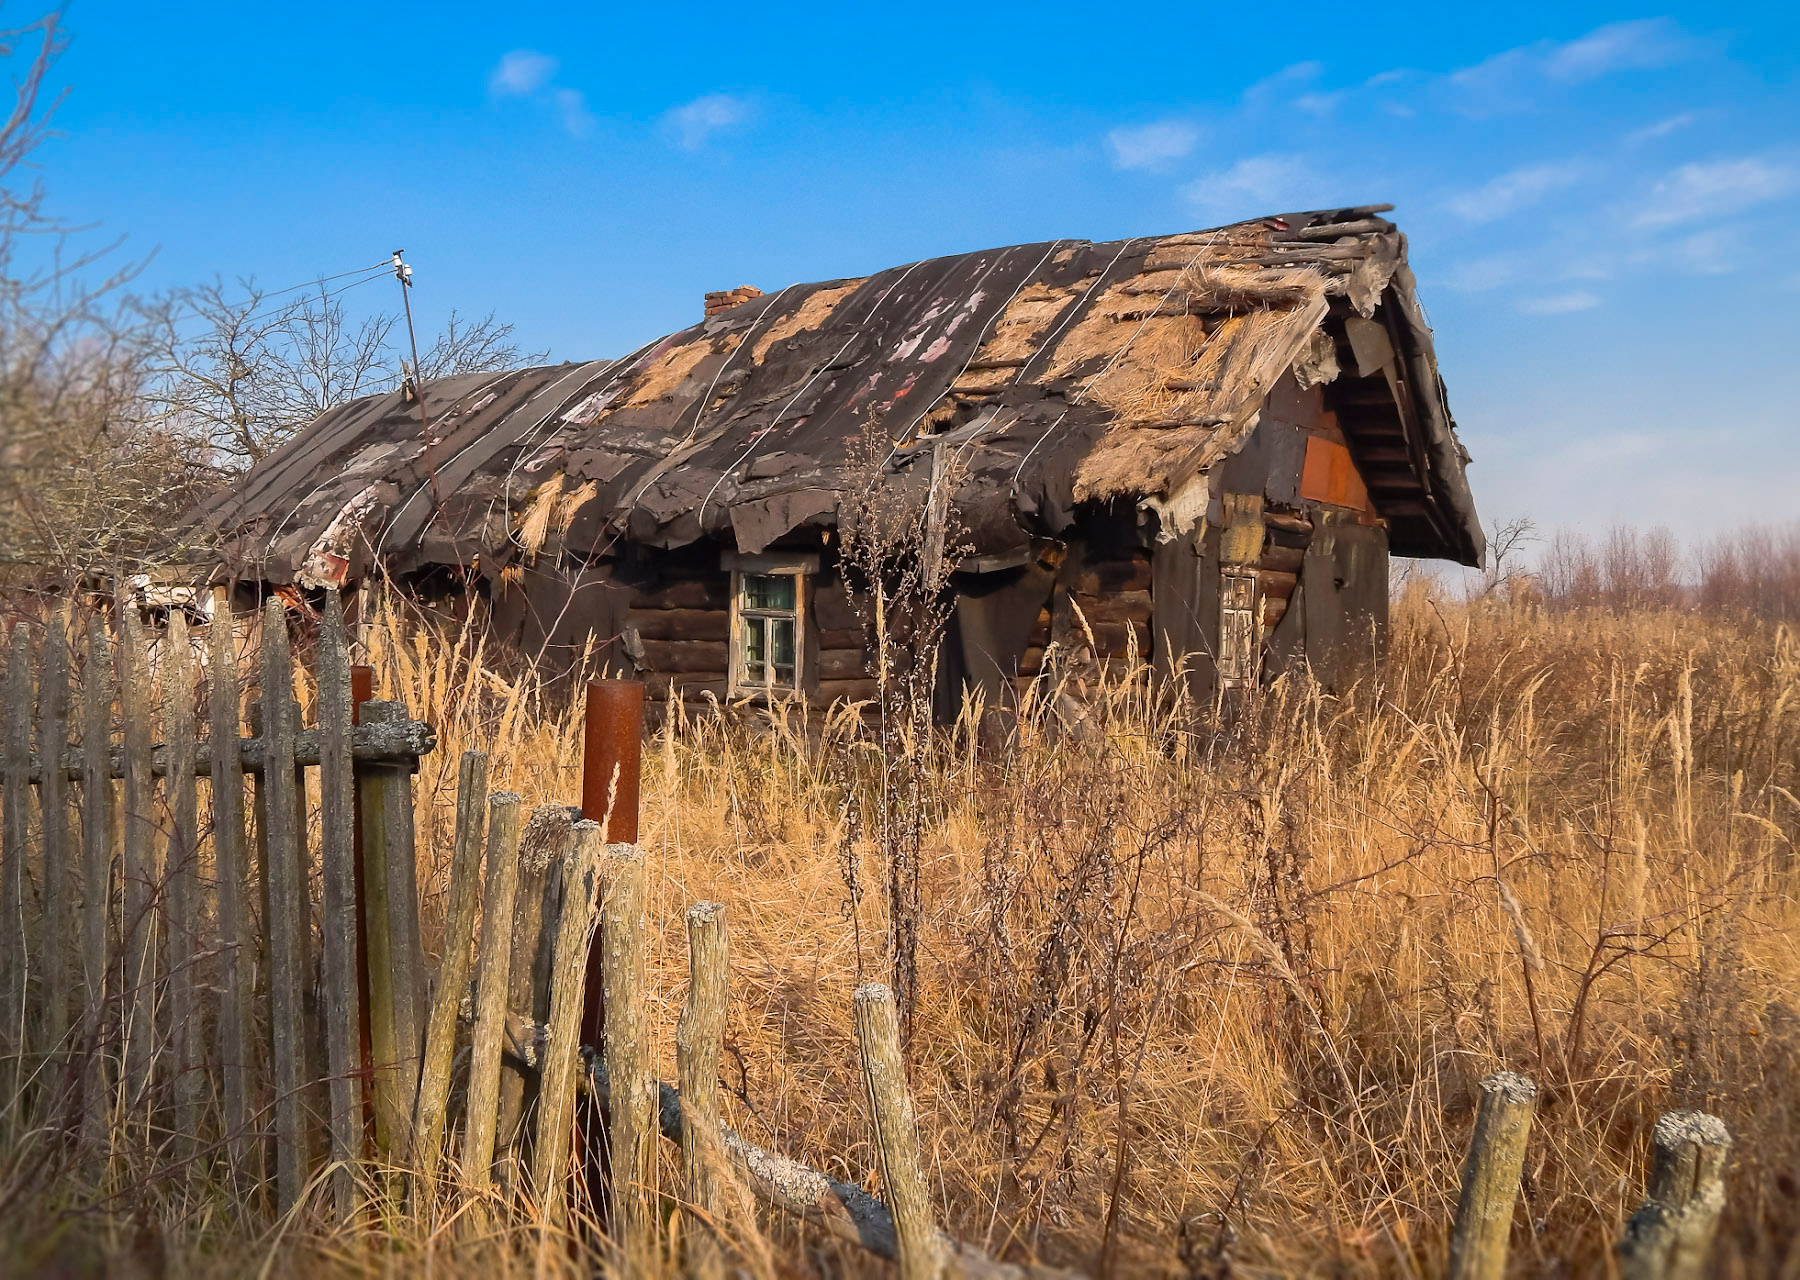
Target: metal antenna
<point>403,273</point>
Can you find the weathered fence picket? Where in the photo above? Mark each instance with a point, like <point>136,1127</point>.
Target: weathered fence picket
<point>14,832</point>
<point>182,883</point>
<point>230,873</point>
<point>286,910</point>
<point>633,1130</point>
<point>490,989</point>
<point>137,871</point>
<point>1490,1185</point>
<point>562,1050</point>
<point>338,952</point>
<point>97,834</point>
<point>1671,1234</point>
<point>453,970</point>
<point>53,827</point>
<point>698,1038</point>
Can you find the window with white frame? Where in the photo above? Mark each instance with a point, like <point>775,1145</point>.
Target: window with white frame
<point>768,629</point>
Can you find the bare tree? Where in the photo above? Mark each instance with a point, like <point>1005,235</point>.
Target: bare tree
<point>243,370</point>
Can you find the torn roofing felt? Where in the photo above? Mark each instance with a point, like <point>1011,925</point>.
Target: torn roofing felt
<point>1058,373</point>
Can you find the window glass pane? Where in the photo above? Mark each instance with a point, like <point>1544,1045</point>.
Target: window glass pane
<point>769,591</point>
<point>781,645</point>
<point>755,650</point>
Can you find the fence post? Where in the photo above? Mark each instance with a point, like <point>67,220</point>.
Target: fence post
<point>337,856</point>
<point>1490,1182</point>
<point>562,1052</point>
<point>1670,1235</point>
<point>231,872</point>
<point>633,1100</point>
<point>392,918</point>
<point>53,817</point>
<point>543,846</point>
<point>138,1007</point>
<point>96,871</point>
<point>14,830</point>
<point>453,971</point>
<point>490,989</point>
<point>287,901</point>
<point>183,879</point>
<point>698,1037</point>
<point>896,1133</point>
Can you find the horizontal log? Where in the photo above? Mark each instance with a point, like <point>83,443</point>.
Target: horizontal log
<point>1274,612</point>
<point>1279,559</point>
<point>680,624</point>
<point>394,742</point>
<point>1113,576</point>
<point>842,664</point>
<point>687,593</point>
<point>840,638</point>
<point>832,607</point>
<point>848,690</point>
<point>1117,606</point>
<point>694,688</point>
<point>1283,521</point>
<point>706,656</point>
<point>1276,583</point>
<point>843,1209</point>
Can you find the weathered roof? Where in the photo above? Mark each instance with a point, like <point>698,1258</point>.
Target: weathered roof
<point>1056,374</point>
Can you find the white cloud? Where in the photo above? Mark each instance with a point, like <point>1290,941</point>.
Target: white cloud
<point>1510,81</point>
<point>521,73</point>
<point>1478,275</point>
<point>1639,45</point>
<point>1268,182</point>
<point>1716,189</point>
<point>1151,146</point>
<point>1560,304</point>
<point>1716,252</point>
<point>572,110</point>
<point>1284,86</point>
<point>695,123</point>
<point>1514,190</point>
<point>1661,129</point>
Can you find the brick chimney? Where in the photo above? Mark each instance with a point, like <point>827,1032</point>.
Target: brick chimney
<point>717,302</point>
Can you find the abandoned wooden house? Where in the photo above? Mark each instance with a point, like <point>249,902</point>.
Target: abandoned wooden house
<point>1194,450</point>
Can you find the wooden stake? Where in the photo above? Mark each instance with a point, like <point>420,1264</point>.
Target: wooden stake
<point>698,1038</point>
<point>183,881</point>
<point>337,858</point>
<point>1671,1234</point>
<point>53,818</point>
<point>453,972</point>
<point>287,903</point>
<point>896,1133</point>
<point>562,1054</point>
<point>633,1127</point>
<point>490,989</point>
<point>140,874</point>
<point>96,872</point>
<point>1490,1185</point>
<point>231,872</point>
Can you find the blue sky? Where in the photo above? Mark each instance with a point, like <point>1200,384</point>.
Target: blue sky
<point>1602,202</point>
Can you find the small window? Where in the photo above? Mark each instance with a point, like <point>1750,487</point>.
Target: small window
<point>767,632</point>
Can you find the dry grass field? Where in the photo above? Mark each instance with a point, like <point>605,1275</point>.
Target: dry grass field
<point>1200,1002</point>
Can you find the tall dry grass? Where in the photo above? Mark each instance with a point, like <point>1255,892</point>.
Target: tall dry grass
<point>1212,999</point>
<point>1204,999</point>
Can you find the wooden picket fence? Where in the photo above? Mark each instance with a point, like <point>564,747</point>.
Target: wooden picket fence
<point>202,985</point>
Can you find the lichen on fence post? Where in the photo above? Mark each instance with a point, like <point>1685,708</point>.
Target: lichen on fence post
<point>1671,1234</point>
<point>698,1038</point>
<point>1490,1183</point>
<point>453,969</point>
<point>896,1133</point>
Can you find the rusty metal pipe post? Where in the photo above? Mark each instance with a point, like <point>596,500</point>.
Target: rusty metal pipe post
<point>611,769</point>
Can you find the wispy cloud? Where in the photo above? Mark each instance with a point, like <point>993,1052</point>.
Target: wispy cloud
<point>1717,189</point>
<point>521,73</point>
<point>1152,146</point>
<point>1560,304</point>
<point>1268,182</point>
<point>526,73</point>
<point>1478,275</point>
<point>1285,86</point>
<point>1715,252</point>
<point>1511,80</point>
<point>1661,129</point>
<point>1515,190</point>
<point>695,123</point>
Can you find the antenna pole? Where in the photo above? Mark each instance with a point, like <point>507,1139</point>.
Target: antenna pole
<point>403,273</point>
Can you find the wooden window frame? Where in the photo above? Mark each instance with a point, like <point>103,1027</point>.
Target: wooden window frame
<point>802,569</point>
